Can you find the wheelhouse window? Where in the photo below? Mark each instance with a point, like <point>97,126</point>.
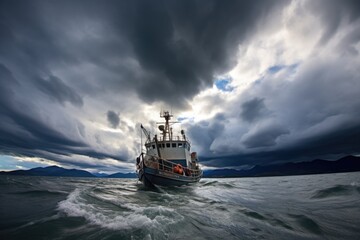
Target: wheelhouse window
<point>163,145</point>
<point>167,145</point>
<point>174,145</point>
<point>180,145</point>
<point>153,146</point>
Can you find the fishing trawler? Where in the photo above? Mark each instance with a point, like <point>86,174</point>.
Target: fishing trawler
<point>167,160</point>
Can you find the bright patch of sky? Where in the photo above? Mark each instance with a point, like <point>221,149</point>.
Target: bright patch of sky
<point>8,163</point>
<point>185,119</point>
<point>277,68</point>
<point>224,85</point>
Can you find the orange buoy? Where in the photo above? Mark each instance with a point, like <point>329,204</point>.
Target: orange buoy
<point>178,169</point>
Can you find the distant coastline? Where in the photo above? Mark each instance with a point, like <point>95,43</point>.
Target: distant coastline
<point>55,171</point>
<point>317,166</point>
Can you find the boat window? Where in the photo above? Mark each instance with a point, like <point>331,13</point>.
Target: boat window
<point>159,145</point>
<point>163,145</point>
<point>168,145</point>
<point>174,145</point>
<point>153,146</point>
<point>180,145</point>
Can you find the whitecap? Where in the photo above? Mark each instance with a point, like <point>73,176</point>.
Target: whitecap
<point>135,216</point>
<point>355,184</point>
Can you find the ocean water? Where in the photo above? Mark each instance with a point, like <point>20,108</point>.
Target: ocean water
<point>295,207</point>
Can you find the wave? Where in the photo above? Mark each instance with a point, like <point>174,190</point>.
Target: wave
<point>131,216</point>
<point>210,183</point>
<point>268,219</point>
<point>38,221</point>
<point>228,185</point>
<point>40,193</point>
<point>307,223</point>
<point>246,208</point>
<point>338,190</point>
<point>254,214</point>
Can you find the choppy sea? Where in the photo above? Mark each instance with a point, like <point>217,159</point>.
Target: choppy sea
<point>295,207</point>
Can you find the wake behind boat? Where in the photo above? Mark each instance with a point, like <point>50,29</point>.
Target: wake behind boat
<point>167,160</point>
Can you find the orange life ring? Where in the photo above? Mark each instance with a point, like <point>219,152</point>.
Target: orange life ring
<point>178,169</point>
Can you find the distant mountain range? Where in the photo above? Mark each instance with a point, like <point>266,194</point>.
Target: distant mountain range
<point>318,166</point>
<point>345,164</point>
<point>50,171</point>
<point>122,175</point>
<point>56,171</point>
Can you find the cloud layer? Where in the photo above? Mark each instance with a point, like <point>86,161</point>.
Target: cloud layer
<point>69,70</point>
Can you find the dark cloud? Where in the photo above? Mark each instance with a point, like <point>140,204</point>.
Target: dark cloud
<point>7,82</point>
<point>113,119</point>
<point>315,115</point>
<point>333,13</point>
<point>264,136</point>
<point>331,146</point>
<point>181,45</point>
<point>321,95</point>
<point>253,109</point>
<point>71,50</point>
<point>108,52</point>
<point>31,42</point>
<point>205,132</point>
<point>56,89</point>
<point>178,45</point>
<point>23,133</point>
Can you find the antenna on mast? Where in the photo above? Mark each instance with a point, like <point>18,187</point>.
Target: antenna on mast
<point>141,145</point>
<point>161,112</point>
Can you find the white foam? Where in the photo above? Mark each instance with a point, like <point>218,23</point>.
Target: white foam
<point>355,184</point>
<point>134,217</point>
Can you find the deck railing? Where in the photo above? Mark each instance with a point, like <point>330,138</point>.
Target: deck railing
<point>168,166</point>
<point>174,138</point>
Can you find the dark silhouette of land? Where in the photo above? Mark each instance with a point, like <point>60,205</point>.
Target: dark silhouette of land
<point>56,171</point>
<point>50,171</point>
<point>318,166</point>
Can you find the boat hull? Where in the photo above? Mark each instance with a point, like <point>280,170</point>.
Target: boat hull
<point>151,177</point>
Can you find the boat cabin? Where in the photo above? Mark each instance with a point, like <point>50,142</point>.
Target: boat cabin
<point>171,148</point>
<point>175,151</point>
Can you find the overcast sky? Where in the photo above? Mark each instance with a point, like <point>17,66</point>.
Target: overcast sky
<point>252,82</point>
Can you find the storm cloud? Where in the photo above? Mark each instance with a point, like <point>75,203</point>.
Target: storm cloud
<point>253,109</point>
<point>113,119</point>
<point>292,67</point>
<point>57,90</point>
<point>24,133</point>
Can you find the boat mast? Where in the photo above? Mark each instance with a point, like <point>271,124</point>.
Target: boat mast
<point>147,134</point>
<point>167,131</point>
<point>157,146</point>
